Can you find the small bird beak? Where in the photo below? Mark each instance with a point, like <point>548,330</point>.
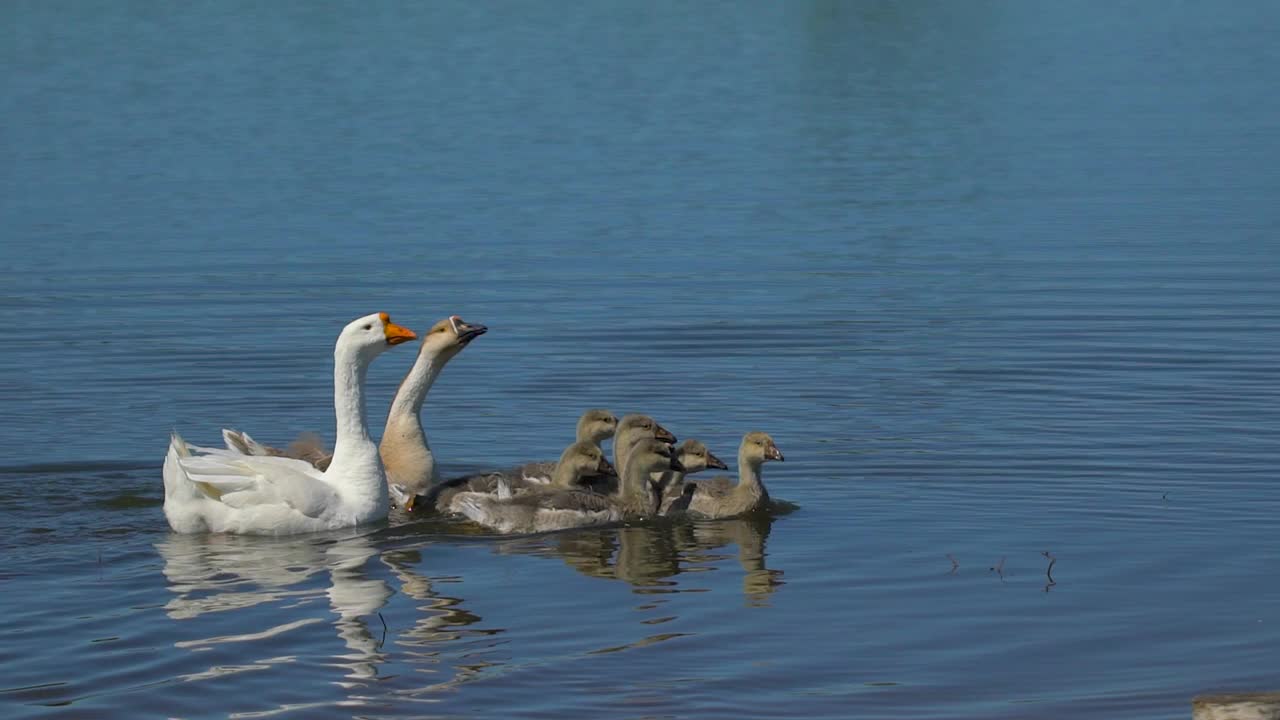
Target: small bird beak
<point>773,453</point>
<point>664,435</point>
<point>394,333</point>
<point>715,463</point>
<point>466,331</point>
<point>605,467</point>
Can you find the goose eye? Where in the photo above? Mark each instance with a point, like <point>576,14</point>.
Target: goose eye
<point>368,327</point>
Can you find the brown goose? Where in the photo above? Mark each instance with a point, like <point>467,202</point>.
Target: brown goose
<point>410,464</point>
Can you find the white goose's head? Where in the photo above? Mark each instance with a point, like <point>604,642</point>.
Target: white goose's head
<point>449,336</point>
<point>368,336</point>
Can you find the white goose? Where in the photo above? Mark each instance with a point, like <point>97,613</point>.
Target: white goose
<point>215,490</point>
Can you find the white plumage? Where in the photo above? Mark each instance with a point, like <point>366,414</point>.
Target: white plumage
<point>216,490</point>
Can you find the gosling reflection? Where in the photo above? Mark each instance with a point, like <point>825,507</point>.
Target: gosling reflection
<point>750,534</point>
<point>649,556</point>
<point>217,573</point>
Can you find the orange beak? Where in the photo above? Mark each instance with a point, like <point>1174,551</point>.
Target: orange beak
<point>395,334</point>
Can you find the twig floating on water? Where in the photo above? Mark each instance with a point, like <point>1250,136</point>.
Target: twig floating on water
<point>955,564</point>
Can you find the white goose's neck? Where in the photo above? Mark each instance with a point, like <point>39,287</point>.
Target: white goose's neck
<point>356,469</point>
<point>349,372</point>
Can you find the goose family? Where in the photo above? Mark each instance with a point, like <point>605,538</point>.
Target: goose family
<point>251,488</point>
<point>408,462</point>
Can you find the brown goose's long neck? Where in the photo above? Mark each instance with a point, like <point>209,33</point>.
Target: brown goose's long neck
<point>413,389</point>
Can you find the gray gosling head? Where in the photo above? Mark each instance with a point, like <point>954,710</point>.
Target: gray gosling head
<point>695,457</point>
<point>597,425</point>
<point>758,447</point>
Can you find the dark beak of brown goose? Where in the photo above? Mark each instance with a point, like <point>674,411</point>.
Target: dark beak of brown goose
<point>715,463</point>
<point>773,453</point>
<point>466,331</point>
<point>664,435</point>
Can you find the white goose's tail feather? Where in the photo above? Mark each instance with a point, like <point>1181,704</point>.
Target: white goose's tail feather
<point>177,487</point>
<point>242,443</point>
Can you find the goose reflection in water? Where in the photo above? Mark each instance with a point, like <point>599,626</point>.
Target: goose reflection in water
<point>218,573</point>
<point>441,623</point>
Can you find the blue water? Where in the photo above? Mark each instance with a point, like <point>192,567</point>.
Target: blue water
<point>1000,278</point>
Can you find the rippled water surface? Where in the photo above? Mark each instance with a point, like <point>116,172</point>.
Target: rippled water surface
<point>1000,278</point>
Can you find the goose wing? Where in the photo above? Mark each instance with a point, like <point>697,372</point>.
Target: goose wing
<point>242,481</point>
